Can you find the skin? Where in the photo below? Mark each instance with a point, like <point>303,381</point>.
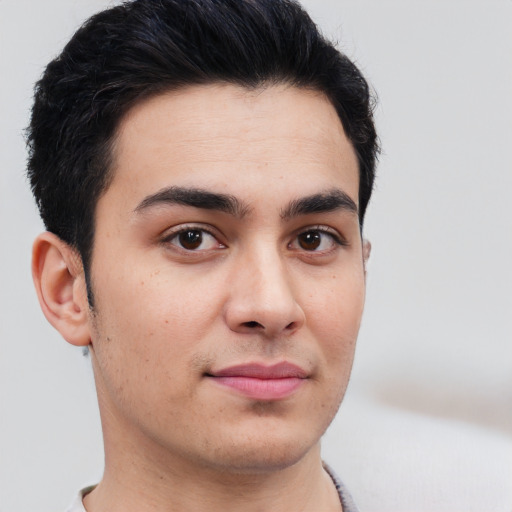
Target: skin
<point>261,287</point>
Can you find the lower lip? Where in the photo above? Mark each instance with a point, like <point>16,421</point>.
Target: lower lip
<point>262,389</point>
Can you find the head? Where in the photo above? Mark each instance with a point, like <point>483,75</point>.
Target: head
<point>204,167</point>
<point>140,49</point>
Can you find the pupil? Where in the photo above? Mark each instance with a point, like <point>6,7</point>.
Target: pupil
<point>310,240</point>
<point>191,239</point>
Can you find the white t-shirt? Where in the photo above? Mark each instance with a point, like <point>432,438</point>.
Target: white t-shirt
<point>78,504</point>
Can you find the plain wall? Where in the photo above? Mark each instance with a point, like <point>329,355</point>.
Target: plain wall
<point>427,422</point>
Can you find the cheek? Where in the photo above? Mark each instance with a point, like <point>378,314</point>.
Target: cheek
<point>338,301</point>
<point>152,322</point>
<point>143,360</point>
<point>148,293</point>
<point>334,316</point>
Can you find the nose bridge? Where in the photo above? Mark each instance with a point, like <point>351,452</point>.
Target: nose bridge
<point>262,294</point>
<point>270,282</point>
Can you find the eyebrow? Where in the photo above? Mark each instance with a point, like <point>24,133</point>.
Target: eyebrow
<point>195,197</point>
<point>329,201</point>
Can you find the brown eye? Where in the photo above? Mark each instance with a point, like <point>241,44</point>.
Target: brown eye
<point>190,239</point>
<point>310,240</point>
<point>321,240</point>
<point>193,239</point>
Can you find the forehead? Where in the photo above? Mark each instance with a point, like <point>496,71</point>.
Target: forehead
<point>218,133</point>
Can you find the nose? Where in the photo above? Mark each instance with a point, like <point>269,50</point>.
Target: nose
<point>262,297</point>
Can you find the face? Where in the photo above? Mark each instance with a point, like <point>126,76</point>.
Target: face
<point>228,277</point>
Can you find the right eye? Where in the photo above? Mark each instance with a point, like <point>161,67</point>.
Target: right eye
<point>194,239</point>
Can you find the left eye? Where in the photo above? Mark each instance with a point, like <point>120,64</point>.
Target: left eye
<point>194,239</point>
<point>315,240</point>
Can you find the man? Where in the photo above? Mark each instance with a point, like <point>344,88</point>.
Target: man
<point>203,168</point>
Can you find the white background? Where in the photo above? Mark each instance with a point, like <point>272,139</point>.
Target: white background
<point>427,422</point>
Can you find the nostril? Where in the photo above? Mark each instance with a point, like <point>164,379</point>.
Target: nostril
<point>253,324</point>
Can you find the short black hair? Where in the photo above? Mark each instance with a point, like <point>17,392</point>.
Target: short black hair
<point>146,47</point>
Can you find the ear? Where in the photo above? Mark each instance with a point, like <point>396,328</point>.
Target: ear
<point>60,284</point>
<point>367,249</point>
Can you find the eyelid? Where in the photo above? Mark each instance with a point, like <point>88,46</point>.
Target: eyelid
<point>171,233</point>
<point>334,233</point>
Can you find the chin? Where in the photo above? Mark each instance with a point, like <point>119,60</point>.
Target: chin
<point>263,451</point>
<point>261,461</point>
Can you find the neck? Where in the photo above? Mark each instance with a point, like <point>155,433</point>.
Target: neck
<point>141,475</point>
<point>135,486</point>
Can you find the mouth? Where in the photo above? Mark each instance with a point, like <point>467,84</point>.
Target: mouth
<point>261,382</point>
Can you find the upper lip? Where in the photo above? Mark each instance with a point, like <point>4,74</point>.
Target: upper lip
<point>281,370</point>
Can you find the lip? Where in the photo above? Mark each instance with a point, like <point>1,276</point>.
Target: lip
<point>261,382</point>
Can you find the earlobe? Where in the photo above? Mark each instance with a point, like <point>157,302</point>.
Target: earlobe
<point>60,284</point>
<point>367,249</point>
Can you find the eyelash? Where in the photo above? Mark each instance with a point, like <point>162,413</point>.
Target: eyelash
<point>167,240</point>
<point>333,235</point>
